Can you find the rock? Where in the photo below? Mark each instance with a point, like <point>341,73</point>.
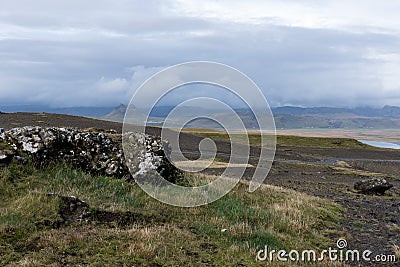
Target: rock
<point>92,151</point>
<point>20,160</point>
<point>373,185</point>
<point>142,163</point>
<point>6,156</point>
<point>72,209</point>
<point>111,131</point>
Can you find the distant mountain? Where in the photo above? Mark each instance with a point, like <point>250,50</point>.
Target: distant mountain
<point>309,111</point>
<point>117,113</point>
<point>287,121</point>
<point>325,117</point>
<point>163,111</point>
<point>287,117</point>
<point>134,116</point>
<point>386,111</point>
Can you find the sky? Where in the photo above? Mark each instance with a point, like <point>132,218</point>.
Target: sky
<point>97,53</point>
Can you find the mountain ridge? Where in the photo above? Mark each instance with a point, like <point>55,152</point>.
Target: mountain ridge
<point>291,117</point>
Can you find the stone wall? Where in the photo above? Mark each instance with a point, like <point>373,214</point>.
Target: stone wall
<point>96,152</point>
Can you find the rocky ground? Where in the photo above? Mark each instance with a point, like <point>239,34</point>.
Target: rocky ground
<point>371,222</point>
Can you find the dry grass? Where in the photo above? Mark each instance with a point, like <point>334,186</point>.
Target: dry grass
<point>351,171</point>
<point>342,164</point>
<point>296,210</point>
<point>28,261</point>
<point>396,250</point>
<point>393,227</point>
<point>212,164</point>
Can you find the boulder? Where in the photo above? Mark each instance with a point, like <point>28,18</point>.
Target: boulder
<point>72,209</point>
<point>373,185</point>
<point>20,160</point>
<point>143,163</point>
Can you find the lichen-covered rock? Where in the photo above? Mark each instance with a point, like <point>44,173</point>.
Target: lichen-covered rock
<point>95,152</point>
<point>373,185</point>
<point>147,154</point>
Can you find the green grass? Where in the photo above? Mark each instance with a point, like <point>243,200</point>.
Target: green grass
<point>319,142</point>
<point>4,145</point>
<point>286,140</point>
<point>224,233</point>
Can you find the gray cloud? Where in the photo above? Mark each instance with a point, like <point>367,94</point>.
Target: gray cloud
<point>68,53</point>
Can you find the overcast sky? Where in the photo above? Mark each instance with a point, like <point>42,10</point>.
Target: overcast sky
<point>96,53</point>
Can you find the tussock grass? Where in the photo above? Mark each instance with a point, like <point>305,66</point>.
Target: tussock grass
<point>224,233</point>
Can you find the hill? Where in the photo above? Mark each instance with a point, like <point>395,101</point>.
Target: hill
<point>93,112</point>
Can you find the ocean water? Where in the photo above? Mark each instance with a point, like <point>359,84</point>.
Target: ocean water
<point>380,144</point>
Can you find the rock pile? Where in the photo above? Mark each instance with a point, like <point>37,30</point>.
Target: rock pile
<point>92,151</point>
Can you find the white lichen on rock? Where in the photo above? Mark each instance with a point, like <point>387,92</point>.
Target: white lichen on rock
<point>142,157</point>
